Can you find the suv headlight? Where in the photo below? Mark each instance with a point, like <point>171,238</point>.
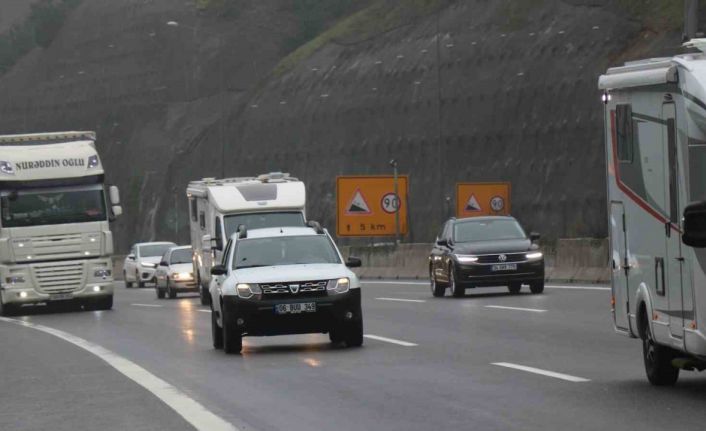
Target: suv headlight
<point>93,162</point>
<point>534,255</point>
<point>7,168</point>
<point>342,285</point>
<point>462,258</point>
<point>148,265</point>
<point>102,273</point>
<point>247,291</point>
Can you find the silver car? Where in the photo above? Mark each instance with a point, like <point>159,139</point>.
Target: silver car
<point>175,273</point>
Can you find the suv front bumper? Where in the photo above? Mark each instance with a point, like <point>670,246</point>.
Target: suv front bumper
<point>480,275</point>
<point>259,317</point>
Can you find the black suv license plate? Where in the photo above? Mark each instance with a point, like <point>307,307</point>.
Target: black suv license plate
<point>505,267</point>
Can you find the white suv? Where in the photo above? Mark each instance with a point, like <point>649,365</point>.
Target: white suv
<point>278,281</point>
<point>139,266</point>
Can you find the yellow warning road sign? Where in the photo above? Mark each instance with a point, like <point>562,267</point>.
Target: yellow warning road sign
<point>367,205</point>
<point>482,199</point>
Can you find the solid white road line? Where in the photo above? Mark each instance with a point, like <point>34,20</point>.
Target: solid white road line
<point>147,305</point>
<point>501,307</point>
<point>426,283</point>
<point>577,287</point>
<point>401,300</point>
<point>204,311</point>
<point>192,411</point>
<point>561,376</point>
<point>420,283</point>
<point>390,340</point>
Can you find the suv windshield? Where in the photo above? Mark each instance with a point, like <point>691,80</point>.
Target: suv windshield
<point>262,221</point>
<point>488,230</point>
<point>154,250</point>
<point>182,255</point>
<point>47,207</point>
<point>288,250</point>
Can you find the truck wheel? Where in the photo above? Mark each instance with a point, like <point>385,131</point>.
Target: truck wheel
<point>7,309</point>
<point>171,291</point>
<point>437,290</point>
<point>232,338</point>
<point>514,288</point>
<point>354,333</point>
<point>216,332</point>
<point>456,289</point>
<point>537,287</point>
<point>103,303</point>
<point>658,360</point>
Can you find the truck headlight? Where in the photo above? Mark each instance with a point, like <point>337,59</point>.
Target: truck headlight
<point>462,258</point>
<point>7,168</point>
<point>534,256</point>
<point>93,162</point>
<point>102,273</point>
<point>342,285</point>
<point>148,265</point>
<point>247,291</point>
<point>15,279</point>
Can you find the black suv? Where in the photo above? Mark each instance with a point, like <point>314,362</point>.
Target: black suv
<point>485,251</point>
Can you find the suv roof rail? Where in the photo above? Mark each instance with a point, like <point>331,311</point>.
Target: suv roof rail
<point>242,231</point>
<point>316,226</point>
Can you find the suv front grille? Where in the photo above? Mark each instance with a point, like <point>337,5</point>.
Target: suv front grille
<point>509,258</point>
<point>286,290</point>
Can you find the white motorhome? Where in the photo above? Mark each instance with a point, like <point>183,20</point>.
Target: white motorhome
<point>218,207</point>
<point>655,128</point>
<point>55,239</point>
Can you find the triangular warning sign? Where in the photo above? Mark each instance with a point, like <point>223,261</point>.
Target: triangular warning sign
<point>472,205</point>
<point>358,205</point>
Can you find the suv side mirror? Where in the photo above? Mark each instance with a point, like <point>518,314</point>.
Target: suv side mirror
<point>534,236</point>
<point>130,257</point>
<point>163,263</point>
<point>695,225</point>
<point>218,270</point>
<point>354,262</point>
<point>443,242</point>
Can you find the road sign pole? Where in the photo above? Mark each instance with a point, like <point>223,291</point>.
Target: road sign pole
<point>398,202</point>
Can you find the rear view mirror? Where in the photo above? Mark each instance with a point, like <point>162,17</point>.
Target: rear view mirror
<point>218,270</point>
<point>206,243</point>
<point>130,257</point>
<point>117,210</point>
<point>163,263</point>
<point>114,195</point>
<point>354,262</point>
<point>534,236</point>
<point>695,225</point>
<point>443,242</point>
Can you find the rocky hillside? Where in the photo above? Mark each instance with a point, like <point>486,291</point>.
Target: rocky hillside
<point>507,92</point>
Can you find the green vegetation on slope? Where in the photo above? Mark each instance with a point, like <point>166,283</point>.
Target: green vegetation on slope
<point>656,14</point>
<point>378,18</point>
<point>39,30</point>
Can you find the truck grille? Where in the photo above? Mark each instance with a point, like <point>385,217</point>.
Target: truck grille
<point>59,277</point>
<point>284,290</point>
<point>509,258</point>
<point>57,245</point>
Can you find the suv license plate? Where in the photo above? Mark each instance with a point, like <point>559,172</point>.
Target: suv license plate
<point>505,267</point>
<point>61,296</point>
<point>305,307</point>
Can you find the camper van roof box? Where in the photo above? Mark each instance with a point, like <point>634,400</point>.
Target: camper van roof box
<point>46,138</point>
<point>275,177</point>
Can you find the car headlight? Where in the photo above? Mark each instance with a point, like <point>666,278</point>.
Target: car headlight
<point>102,273</point>
<point>93,162</point>
<point>7,168</point>
<point>247,291</point>
<point>15,279</point>
<point>466,259</point>
<point>148,265</point>
<point>342,285</point>
<point>534,255</point>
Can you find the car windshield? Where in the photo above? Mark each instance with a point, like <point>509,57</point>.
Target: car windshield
<point>48,207</point>
<point>183,255</point>
<point>262,221</point>
<point>488,230</point>
<point>154,250</point>
<point>288,250</point>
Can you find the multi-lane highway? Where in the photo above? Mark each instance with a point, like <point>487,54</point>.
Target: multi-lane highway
<point>484,362</point>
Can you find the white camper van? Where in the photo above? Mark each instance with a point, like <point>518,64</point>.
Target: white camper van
<point>55,241</point>
<point>655,128</point>
<point>218,207</point>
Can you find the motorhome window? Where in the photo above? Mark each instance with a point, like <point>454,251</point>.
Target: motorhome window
<point>625,128</point>
<point>49,207</point>
<point>194,205</point>
<point>202,220</point>
<point>182,255</point>
<point>288,250</point>
<point>262,220</point>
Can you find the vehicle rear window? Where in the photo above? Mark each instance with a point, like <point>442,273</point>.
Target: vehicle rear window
<point>154,250</point>
<point>181,256</point>
<point>488,230</point>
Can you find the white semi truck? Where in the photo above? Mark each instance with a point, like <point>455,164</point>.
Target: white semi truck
<point>55,239</point>
<point>219,206</point>
<point>655,128</point>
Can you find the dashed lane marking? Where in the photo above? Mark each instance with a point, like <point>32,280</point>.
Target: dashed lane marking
<point>147,305</point>
<point>577,287</point>
<point>204,311</point>
<point>401,300</point>
<point>191,410</point>
<point>426,283</point>
<point>501,307</point>
<point>390,340</point>
<point>539,371</point>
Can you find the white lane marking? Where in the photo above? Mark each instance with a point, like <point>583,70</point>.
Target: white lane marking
<point>191,410</point>
<point>501,307</point>
<point>401,300</point>
<point>147,305</point>
<point>533,370</point>
<point>577,287</point>
<point>420,283</point>
<point>204,311</point>
<point>390,340</point>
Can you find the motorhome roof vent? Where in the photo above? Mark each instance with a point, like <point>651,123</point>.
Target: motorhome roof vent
<point>699,44</point>
<point>274,177</point>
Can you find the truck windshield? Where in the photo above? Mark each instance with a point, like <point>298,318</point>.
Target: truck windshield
<point>182,255</point>
<point>262,221</point>
<point>289,250</point>
<point>47,207</point>
<point>488,230</point>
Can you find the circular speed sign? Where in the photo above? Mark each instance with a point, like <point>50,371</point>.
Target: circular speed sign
<point>390,203</point>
